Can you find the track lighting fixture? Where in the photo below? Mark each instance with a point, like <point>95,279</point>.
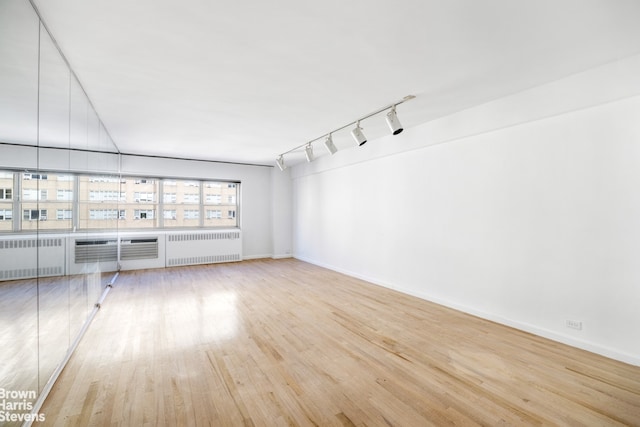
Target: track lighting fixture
<point>308,151</point>
<point>330,145</point>
<point>358,135</point>
<point>393,122</point>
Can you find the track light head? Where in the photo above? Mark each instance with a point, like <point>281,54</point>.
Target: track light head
<point>280,163</point>
<point>308,152</point>
<point>393,122</point>
<point>358,135</point>
<point>330,145</point>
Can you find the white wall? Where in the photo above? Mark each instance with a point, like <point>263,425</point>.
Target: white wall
<point>282,213</point>
<point>524,210</point>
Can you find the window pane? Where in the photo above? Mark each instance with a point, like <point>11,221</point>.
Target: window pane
<point>43,195</point>
<point>220,200</point>
<point>99,198</point>
<point>6,200</point>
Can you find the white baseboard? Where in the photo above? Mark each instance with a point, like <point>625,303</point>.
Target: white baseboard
<point>533,329</point>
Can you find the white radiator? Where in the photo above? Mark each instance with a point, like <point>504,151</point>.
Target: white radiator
<point>59,255</point>
<point>205,247</point>
<point>31,257</point>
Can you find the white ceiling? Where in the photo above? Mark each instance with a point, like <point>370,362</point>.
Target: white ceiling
<point>244,81</point>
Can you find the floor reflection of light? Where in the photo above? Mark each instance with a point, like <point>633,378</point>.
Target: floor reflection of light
<point>220,316</point>
<point>198,320</point>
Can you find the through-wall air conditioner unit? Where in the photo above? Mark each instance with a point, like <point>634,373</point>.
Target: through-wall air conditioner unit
<point>100,251</point>
<point>141,251</point>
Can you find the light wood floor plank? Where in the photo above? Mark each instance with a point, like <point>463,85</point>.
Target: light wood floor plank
<point>286,343</point>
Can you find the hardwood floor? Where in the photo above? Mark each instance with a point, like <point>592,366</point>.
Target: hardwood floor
<point>283,342</point>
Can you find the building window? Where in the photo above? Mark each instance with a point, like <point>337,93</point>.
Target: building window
<point>140,196</point>
<point>103,214</point>
<point>143,214</point>
<point>32,194</point>
<point>214,199</point>
<point>191,198</point>
<point>169,197</point>
<point>35,176</point>
<point>6,214</point>
<point>191,214</point>
<point>214,214</point>
<point>64,214</point>
<point>34,214</point>
<point>65,194</point>
<point>231,214</point>
<point>6,193</point>
<point>106,195</point>
<point>170,214</point>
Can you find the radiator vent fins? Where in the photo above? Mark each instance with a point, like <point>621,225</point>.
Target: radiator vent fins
<point>23,273</point>
<point>203,236</point>
<point>96,251</point>
<point>208,259</point>
<point>30,243</point>
<point>139,249</point>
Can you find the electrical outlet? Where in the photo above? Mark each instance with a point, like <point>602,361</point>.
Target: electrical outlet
<point>574,324</point>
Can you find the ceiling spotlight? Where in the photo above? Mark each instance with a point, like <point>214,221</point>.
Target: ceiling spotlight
<point>393,122</point>
<point>330,145</point>
<point>308,151</point>
<point>358,135</point>
<point>280,163</point>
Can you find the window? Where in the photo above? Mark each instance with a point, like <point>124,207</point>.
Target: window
<point>143,214</point>
<point>106,195</point>
<point>32,194</point>
<point>191,214</point>
<point>139,196</point>
<point>36,176</point>
<point>104,179</point>
<point>191,198</point>
<point>34,214</point>
<point>103,214</point>
<point>214,199</point>
<point>224,196</point>
<point>214,214</point>
<point>63,214</point>
<point>65,194</point>
<point>97,202</point>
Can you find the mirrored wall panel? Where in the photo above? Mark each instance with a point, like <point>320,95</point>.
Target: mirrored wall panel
<point>53,267</point>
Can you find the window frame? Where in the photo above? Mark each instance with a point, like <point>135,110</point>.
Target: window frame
<point>121,199</point>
